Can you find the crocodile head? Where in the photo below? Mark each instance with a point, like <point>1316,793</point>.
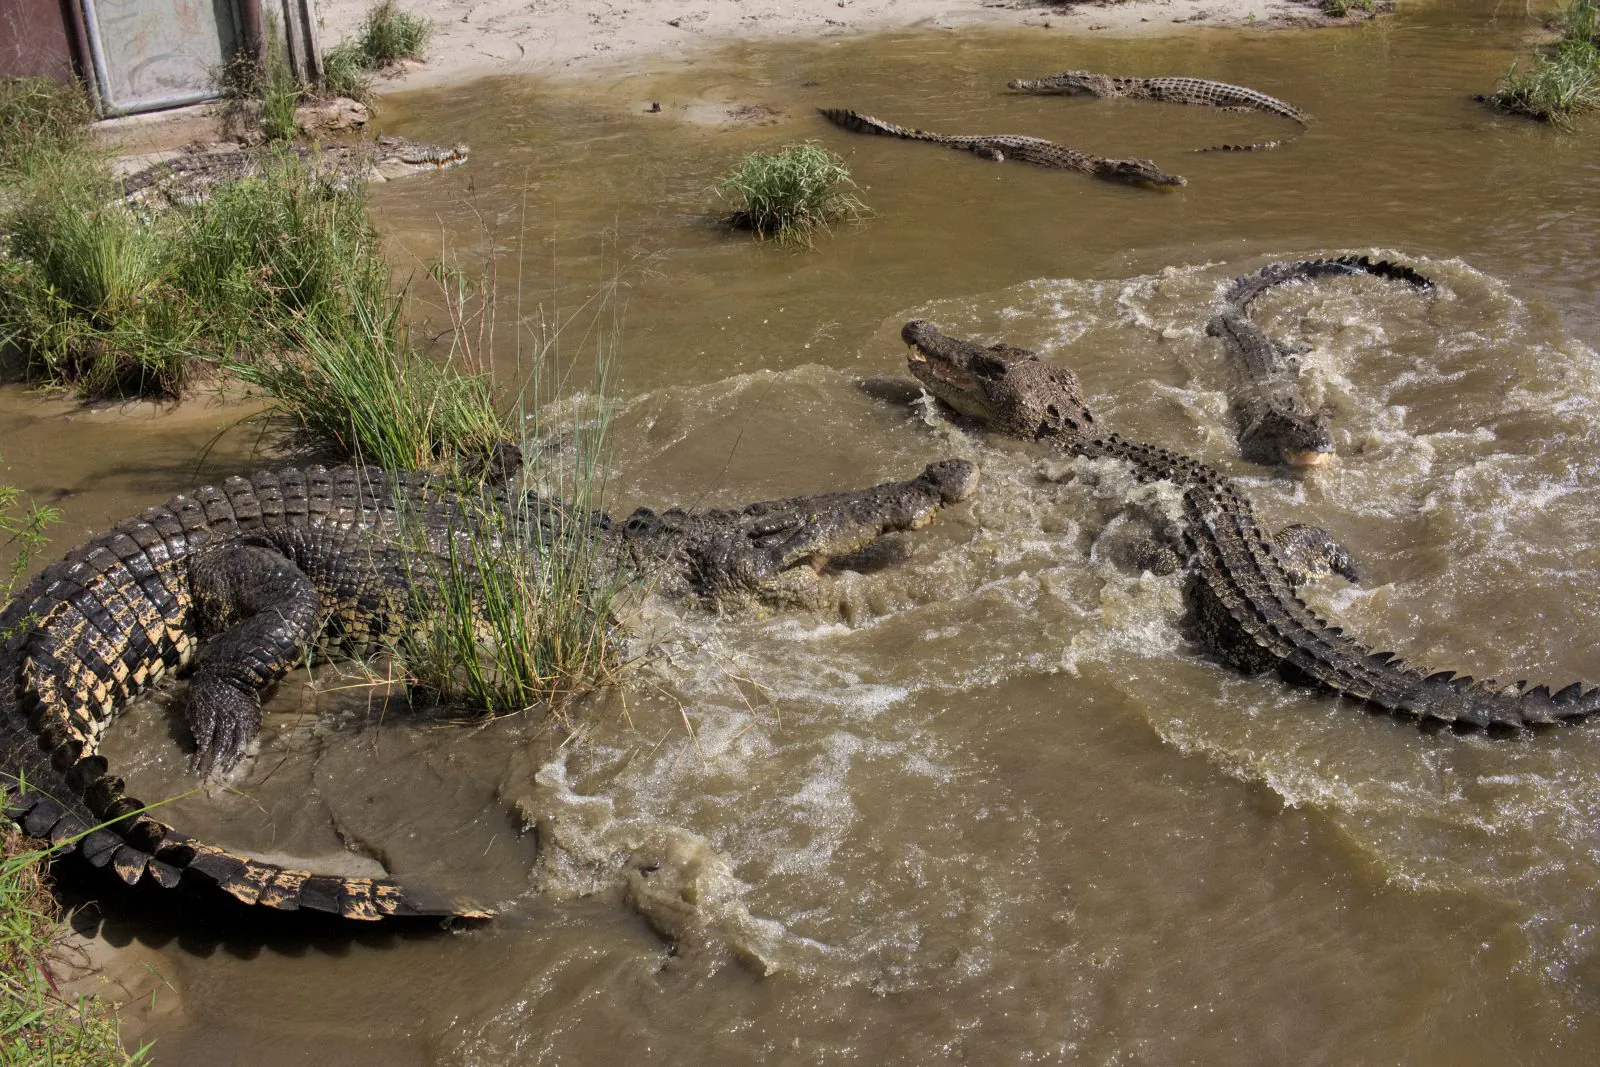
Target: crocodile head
<point>774,550</point>
<point>1283,431</point>
<point>1010,390</point>
<point>395,157</point>
<point>1137,172</point>
<point>1068,82</point>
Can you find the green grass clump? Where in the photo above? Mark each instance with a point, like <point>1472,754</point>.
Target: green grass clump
<point>279,98</point>
<point>261,251</point>
<point>111,304</point>
<point>791,193</point>
<point>88,296</point>
<point>521,612</point>
<point>269,87</point>
<point>39,117</point>
<point>1340,8</point>
<point>345,71</point>
<point>351,383</point>
<point>1564,79</point>
<point>387,35</point>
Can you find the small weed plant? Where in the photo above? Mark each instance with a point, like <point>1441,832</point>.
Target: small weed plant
<point>269,86</point>
<point>790,194</point>
<point>387,35</point>
<point>1564,79</point>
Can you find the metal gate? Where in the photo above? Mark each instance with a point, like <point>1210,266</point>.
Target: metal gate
<point>153,54</point>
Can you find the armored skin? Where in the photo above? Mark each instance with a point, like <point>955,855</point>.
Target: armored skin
<point>1197,91</point>
<point>1001,147</point>
<point>236,580</point>
<point>1274,422</point>
<point>1242,597</point>
<point>190,178</point>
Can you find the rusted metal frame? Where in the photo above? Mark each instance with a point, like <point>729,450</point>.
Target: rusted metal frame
<point>102,74</point>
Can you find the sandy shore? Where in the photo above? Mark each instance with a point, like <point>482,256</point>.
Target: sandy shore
<point>473,38</point>
<point>575,38</point>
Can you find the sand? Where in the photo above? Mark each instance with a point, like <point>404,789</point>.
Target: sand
<point>473,38</point>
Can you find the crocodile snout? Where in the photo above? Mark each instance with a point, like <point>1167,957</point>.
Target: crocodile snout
<point>956,479</point>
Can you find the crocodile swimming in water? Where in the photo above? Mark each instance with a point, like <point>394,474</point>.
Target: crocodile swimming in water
<point>190,177</point>
<point>1242,598</point>
<point>237,580</point>
<point>1197,91</point>
<point>1000,147</point>
<point>1274,422</point>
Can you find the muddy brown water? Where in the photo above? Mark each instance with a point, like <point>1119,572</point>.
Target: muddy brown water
<point>995,808</point>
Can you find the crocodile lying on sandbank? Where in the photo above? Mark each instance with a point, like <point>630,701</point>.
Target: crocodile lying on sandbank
<point>1274,422</point>
<point>1197,91</point>
<point>190,177</point>
<point>1242,599</point>
<point>1000,147</point>
<point>237,580</point>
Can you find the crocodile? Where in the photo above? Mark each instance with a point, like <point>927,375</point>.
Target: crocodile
<point>190,177</point>
<point>1198,91</point>
<point>1242,599</point>
<point>234,582</point>
<point>1000,147</point>
<point>1274,422</point>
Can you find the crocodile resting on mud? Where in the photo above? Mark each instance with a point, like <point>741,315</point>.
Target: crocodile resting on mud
<point>1000,147</point>
<point>1197,91</point>
<point>189,178</point>
<point>1274,422</point>
<point>237,580</point>
<point>1242,598</point>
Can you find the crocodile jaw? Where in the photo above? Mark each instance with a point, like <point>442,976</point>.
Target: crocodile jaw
<point>1308,460</point>
<point>950,385</point>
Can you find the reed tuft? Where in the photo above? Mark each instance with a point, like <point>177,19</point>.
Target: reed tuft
<point>790,194</point>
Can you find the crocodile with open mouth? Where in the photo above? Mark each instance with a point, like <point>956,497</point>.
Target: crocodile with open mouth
<point>1241,596</point>
<point>234,582</point>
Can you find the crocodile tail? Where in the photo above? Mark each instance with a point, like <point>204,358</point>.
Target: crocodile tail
<point>73,801</point>
<point>1254,146</point>
<point>88,811</point>
<point>859,123</point>
<point>1458,699</point>
<point>1246,289</point>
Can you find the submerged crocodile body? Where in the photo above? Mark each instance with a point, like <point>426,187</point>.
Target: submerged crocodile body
<point>237,580</point>
<point>1000,147</point>
<point>1197,91</point>
<point>1242,598</point>
<point>1274,422</point>
<point>189,178</point>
